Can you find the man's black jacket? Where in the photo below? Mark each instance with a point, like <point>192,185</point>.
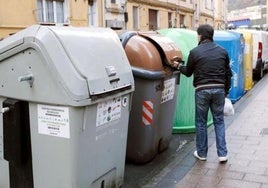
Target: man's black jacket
<point>210,65</point>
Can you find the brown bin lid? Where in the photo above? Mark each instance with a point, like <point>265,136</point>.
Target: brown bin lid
<point>143,54</point>
<point>169,48</point>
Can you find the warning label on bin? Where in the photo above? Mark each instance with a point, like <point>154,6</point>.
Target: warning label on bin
<point>147,112</point>
<point>108,110</point>
<point>53,121</point>
<point>169,90</point>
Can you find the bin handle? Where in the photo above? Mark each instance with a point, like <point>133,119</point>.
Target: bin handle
<point>4,110</point>
<point>147,74</point>
<point>28,78</point>
<point>176,62</point>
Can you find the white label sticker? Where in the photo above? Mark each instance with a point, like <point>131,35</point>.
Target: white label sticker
<point>169,90</point>
<point>109,110</point>
<point>53,121</point>
<point>246,49</point>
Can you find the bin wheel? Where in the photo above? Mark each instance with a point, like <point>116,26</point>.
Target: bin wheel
<point>258,75</point>
<point>261,73</point>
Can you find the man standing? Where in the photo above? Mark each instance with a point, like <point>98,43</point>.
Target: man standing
<point>209,63</point>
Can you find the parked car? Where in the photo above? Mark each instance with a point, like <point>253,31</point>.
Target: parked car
<point>260,52</point>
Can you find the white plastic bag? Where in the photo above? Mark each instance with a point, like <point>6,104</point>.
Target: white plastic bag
<point>228,107</point>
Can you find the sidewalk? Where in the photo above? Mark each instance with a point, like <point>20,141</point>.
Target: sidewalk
<point>247,142</point>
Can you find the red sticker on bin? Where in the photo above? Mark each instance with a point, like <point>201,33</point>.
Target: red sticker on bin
<point>147,112</point>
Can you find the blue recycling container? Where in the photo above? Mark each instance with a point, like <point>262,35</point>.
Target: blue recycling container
<point>234,43</point>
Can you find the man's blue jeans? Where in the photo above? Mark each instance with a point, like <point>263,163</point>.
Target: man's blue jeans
<point>212,99</point>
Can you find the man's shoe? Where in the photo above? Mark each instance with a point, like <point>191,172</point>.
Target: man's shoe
<point>223,159</point>
<point>198,157</point>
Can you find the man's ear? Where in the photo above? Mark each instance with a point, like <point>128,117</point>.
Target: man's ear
<point>199,38</point>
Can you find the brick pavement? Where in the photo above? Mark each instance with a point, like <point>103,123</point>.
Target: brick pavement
<point>247,142</point>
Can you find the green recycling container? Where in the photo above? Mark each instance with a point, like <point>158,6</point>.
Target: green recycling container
<point>184,120</point>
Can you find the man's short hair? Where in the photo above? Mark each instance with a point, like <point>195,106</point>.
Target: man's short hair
<point>206,31</point>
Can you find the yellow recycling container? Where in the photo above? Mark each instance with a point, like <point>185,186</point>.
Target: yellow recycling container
<point>248,58</point>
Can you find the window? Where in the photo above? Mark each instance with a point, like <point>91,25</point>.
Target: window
<point>135,18</point>
<point>153,19</point>
<point>93,13</point>
<point>209,4</point>
<point>51,11</point>
<point>182,20</point>
<point>169,19</point>
<point>192,21</point>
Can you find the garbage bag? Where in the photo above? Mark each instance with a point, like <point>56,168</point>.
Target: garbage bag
<point>228,107</point>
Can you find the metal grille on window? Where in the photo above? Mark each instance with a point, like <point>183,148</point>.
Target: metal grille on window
<point>50,11</point>
<point>60,12</point>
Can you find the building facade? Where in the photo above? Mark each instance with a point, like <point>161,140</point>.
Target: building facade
<point>151,14</point>
<point>220,14</point>
<point>249,17</point>
<point>116,14</point>
<point>16,15</point>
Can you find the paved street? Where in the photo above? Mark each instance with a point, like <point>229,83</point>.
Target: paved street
<point>247,142</point>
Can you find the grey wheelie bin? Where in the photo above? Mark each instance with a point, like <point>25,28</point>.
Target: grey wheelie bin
<point>151,56</point>
<point>65,99</point>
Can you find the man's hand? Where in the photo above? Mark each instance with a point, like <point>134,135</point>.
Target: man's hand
<point>177,62</point>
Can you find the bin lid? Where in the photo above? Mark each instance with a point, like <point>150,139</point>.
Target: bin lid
<point>143,54</point>
<point>150,50</point>
<point>247,35</point>
<point>185,39</point>
<point>83,62</point>
<point>230,40</point>
<point>222,35</point>
<point>166,46</point>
